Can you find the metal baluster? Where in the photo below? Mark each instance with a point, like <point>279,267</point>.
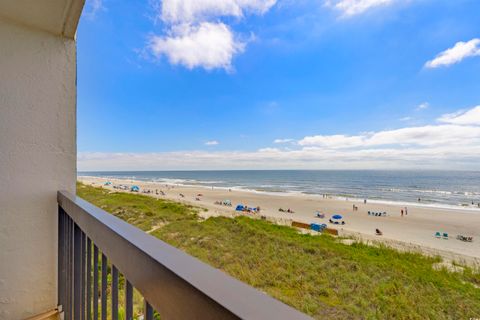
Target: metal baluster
<point>114,293</point>
<point>95,282</point>
<point>89,279</point>
<point>128,300</point>
<point>77,273</point>
<point>61,257</point>
<point>148,311</point>
<point>68,310</point>
<point>104,287</point>
<point>83,279</point>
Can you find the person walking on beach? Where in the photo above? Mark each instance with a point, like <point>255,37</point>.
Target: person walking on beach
<point>401,212</point>
<point>406,212</point>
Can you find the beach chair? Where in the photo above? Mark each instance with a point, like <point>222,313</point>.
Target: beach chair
<point>384,214</point>
<point>438,235</point>
<point>464,238</point>
<point>368,212</point>
<point>445,236</point>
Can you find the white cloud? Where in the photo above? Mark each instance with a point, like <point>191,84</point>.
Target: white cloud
<point>406,119</point>
<point>279,141</point>
<point>457,53</point>
<point>413,136</point>
<point>212,143</point>
<point>454,142</point>
<point>92,7</point>
<point>195,35</point>
<point>188,11</point>
<point>208,45</point>
<point>470,117</point>
<point>332,141</point>
<point>422,106</point>
<point>268,150</point>
<point>354,7</point>
<point>432,135</point>
<point>438,157</point>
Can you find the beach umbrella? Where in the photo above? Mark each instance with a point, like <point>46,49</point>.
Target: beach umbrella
<point>337,217</point>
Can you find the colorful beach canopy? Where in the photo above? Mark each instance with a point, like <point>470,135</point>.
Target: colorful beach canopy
<point>337,217</point>
<point>135,188</point>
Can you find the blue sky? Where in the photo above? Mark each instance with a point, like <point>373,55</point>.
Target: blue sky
<point>269,84</point>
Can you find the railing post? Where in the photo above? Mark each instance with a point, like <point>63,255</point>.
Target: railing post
<point>114,293</point>
<point>104,287</point>
<point>61,257</point>
<point>148,311</point>
<point>95,282</point>
<point>89,279</point>
<point>128,300</point>
<point>77,273</point>
<point>69,268</point>
<point>83,272</point>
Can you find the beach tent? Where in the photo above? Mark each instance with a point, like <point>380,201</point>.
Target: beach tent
<point>240,207</point>
<point>135,188</point>
<point>108,183</point>
<point>317,227</point>
<point>337,219</point>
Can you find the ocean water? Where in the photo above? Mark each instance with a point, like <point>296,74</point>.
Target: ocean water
<point>433,188</point>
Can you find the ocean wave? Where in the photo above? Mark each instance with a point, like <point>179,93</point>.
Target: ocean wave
<point>432,191</point>
<point>376,191</point>
<point>186,181</point>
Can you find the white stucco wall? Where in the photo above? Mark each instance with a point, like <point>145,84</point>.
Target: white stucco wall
<point>37,158</point>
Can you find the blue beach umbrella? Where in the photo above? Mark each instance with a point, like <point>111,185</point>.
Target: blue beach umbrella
<point>337,217</point>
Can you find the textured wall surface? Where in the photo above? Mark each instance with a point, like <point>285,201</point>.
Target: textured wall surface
<point>37,158</point>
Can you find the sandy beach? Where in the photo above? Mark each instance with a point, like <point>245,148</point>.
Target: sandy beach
<point>414,231</point>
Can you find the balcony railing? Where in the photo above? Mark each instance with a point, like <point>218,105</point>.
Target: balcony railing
<point>171,282</point>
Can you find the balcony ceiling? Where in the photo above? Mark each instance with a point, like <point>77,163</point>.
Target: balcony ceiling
<point>59,17</point>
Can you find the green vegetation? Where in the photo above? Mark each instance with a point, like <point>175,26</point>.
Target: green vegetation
<point>315,274</point>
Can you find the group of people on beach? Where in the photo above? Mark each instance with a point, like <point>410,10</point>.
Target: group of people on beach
<point>256,210</point>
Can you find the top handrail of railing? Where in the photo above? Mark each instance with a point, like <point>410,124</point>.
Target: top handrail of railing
<point>176,284</point>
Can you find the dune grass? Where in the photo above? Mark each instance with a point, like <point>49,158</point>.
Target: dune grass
<point>314,274</point>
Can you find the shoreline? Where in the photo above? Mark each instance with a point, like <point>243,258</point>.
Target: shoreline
<point>414,231</point>
<point>439,206</point>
